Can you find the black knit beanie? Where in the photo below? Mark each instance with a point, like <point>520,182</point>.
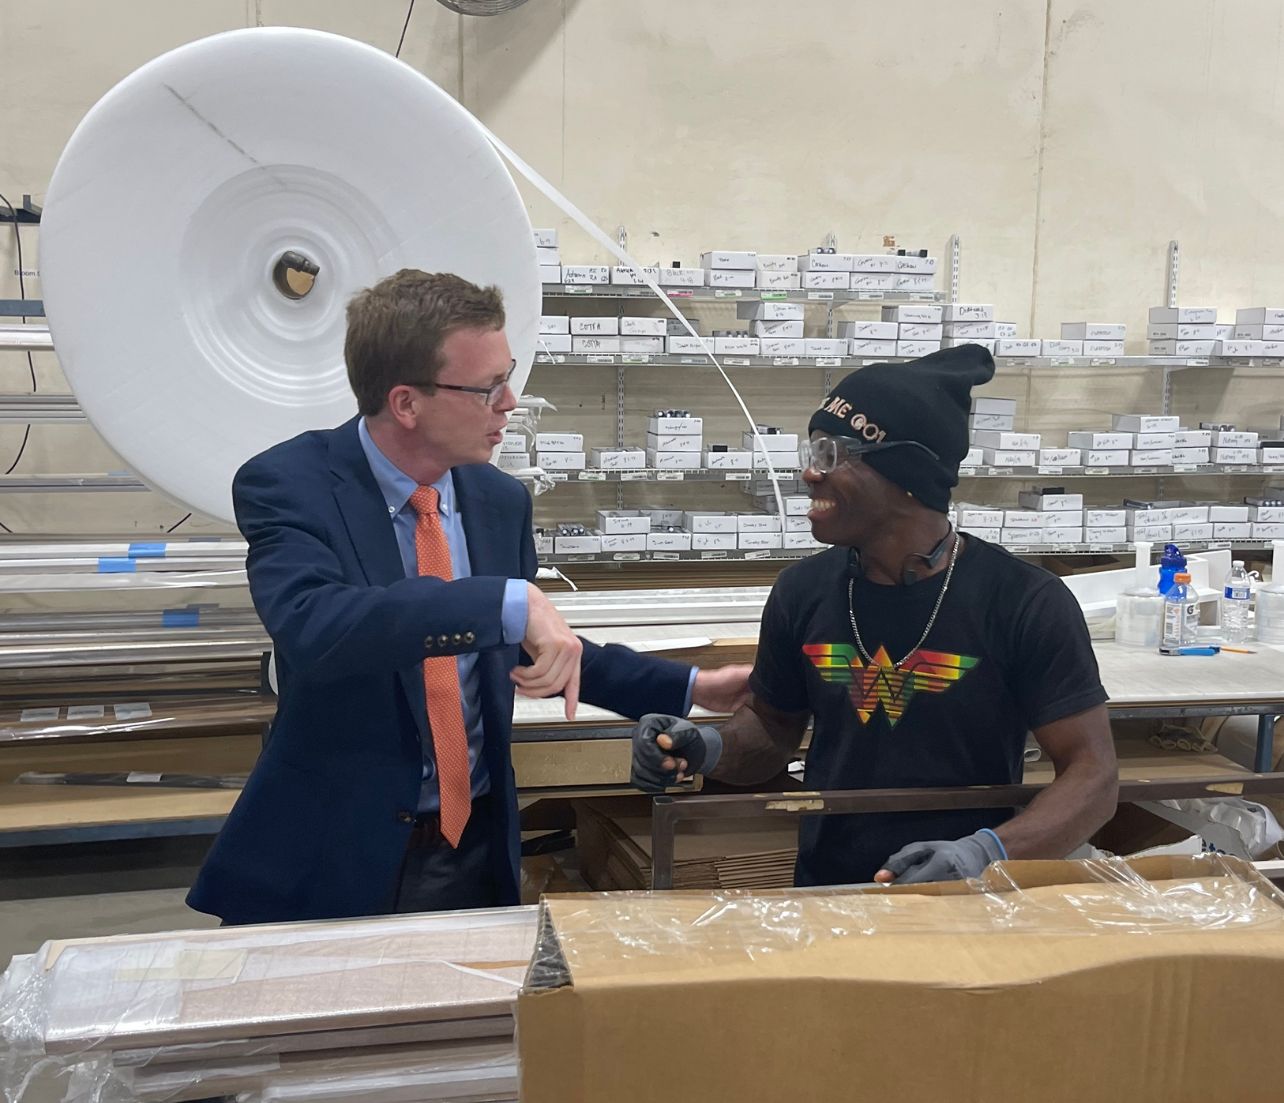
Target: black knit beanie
<point>925,400</point>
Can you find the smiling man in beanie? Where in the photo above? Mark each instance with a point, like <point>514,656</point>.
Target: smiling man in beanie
<point>922,657</point>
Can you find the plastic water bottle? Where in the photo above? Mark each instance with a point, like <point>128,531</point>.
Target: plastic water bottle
<point>1178,631</point>
<point>1234,604</point>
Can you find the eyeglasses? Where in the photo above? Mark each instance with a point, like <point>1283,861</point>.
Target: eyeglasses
<point>493,393</point>
<point>824,453</point>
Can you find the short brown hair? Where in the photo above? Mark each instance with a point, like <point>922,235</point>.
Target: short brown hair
<point>396,329</point>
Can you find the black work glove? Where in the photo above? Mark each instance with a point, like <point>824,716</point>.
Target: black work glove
<point>944,860</point>
<point>701,747</point>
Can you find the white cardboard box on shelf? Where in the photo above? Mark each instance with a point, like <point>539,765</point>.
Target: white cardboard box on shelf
<point>707,521</point>
<point>514,461</point>
<point>685,425</point>
<point>800,540</point>
<point>560,461</point>
<point>1259,315</point>
<point>1008,457</point>
<point>554,342</point>
<point>1182,348</point>
<point>777,262</point>
<point>1005,329</point>
<point>797,505</point>
<point>924,266</point>
<point>1192,315</point>
<point>589,346</point>
<point>967,312</point>
<point>644,327</point>
<point>780,461</point>
<point>1105,518</point>
<point>825,262</point>
<point>543,544</point>
<point>1001,422</point>
<point>1223,332</point>
<point>782,346</point>
<point>673,461</point>
<point>968,328</point>
<point>1192,514</point>
<point>665,517</point>
<point>775,442</point>
<point>757,522</point>
<point>514,442</point>
<point>1240,348</point>
<point>1020,536</point>
<point>932,315</point>
<point>1150,457</point>
<point>1103,348</point>
<point>681,277</point>
<point>1193,438</point>
<point>577,545</point>
<point>1187,456</point>
<point>1220,513</point>
<point>619,459</point>
<point>777,281</point>
<point>559,442</point>
<point>1063,518</point>
<point>826,281</point>
<point>1234,438</point>
<point>873,281</point>
<point>1269,331</point>
<point>622,541</point>
<point>1060,457</point>
<point>979,516</point>
<point>1233,530</point>
<point>873,262</point>
<point>729,259</point>
<point>974,458</point>
<point>679,344</point>
<point>1105,457</point>
<point>1153,530</point>
<point>736,346</point>
<point>759,541</point>
<point>1057,347</point>
<point>674,442</point>
<point>992,535</point>
<point>642,346</point>
<point>985,405</point>
<point>989,438</point>
<point>911,282</point>
<point>713,541</point>
<point>1093,331</point>
<point>595,327</point>
<point>550,273</point>
<point>1114,534</point>
<point>734,459</point>
<point>1144,423</point>
<point>859,347</point>
<point>797,524</point>
<point>918,331</point>
<point>1181,331</point>
<point>1018,346</point>
<point>771,312</point>
<point>1192,530</point>
<point>729,277</point>
<point>1272,348</point>
<point>917,348</point>
<point>824,346</point>
<point>545,239</point>
<point>668,541</point>
<point>870,331</point>
<point>1264,530</point>
<point>1036,499</point>
<point>1022,518</point>
<point>554,323</point>
<point>1272,453</point>
<point>586,273</point>
<point>1235,455</point>
<point>1265,514</point>
<point>791,328</point>
<point>959,342</point>
<point>1144,441</point>
<point>1086,439</point>
<point>622,275</point>
<point>614,522</point>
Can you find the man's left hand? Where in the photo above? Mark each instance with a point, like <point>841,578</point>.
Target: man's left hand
<point>722,690</point>
<point>942,860</point>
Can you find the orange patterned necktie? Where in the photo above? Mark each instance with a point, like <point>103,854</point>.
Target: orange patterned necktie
<point>441,681</point>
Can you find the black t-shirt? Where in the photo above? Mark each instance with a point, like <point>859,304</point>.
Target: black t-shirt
<point>1009,652</point>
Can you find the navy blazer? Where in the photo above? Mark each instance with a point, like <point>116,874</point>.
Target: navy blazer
<point>322,825</point>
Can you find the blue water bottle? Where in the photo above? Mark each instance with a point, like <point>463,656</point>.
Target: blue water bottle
<point>1170,563</point>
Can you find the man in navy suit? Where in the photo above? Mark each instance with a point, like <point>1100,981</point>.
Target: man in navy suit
<point>392,566</point>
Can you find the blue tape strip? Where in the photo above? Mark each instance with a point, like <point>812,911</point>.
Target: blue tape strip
<point>180,618</point>
<point>108,565</point>
<point>146,551</point>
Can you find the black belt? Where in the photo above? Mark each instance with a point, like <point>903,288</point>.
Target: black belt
<point>427,829</point>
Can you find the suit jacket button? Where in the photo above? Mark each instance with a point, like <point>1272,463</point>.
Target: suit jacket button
<point>405,817</point>
<point>469,638</point>
<point>429,643</point>
<point>442,641</point>
<point>456,639</point>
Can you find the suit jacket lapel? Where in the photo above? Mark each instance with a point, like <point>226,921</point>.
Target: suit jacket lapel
<point>482,526</point>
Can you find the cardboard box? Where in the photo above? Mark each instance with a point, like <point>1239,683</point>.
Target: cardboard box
<point>1008,457</point>
<point>593,346</point>
<point>1017,346</point>
<point>760,541</point>
<point>1144,442</point>
<point>642,346</point>
<point>616,522</point>
<point>547,256</point>
<point>1223,438</point>
<point>800,540</point>
<point>915,265</point>
<point>734,459</point>
<point>984,405</point>
<point>685,426</point>
<point>553,343</point>
<point>1054,519</point>
<point>968,328</point>
<point>668,541</point>
<point>1180,331</point>
<point>1093,440</point>
<point>1009,537</point>
<point>644,327</point>
<point>757,522</point>
<point>1221,514</point>
<point>1115,534</point>
<point>967,312</point>
<point>681,277</point>
<point>1271,454</point>
<point>873,281</point>
<point>776,442</point>
<point>917,331</point>
<point>1105,457</point>
<point>586,273</point>
<point>1240,348</point>
<point>770,312</point>
<point>1144,423</point>
<point>1034,499</point>
<point>791,328</point>
<point>1270,331</point>
<point>1105,518</point>
<point>974,458</point>
<point>931,315</point>
<point>577,545</point>
<point>664,518</point>
<point>1262,514</point>
<point>554,323</point>
<point>1022,518</point>
<point>991,535</point>
<point>729,277</point>
<point>550,273</point>
<point>777,281</point>
<point>1103,348</point>
<point>632,277</point>
<point>797,505</point>
<point>736,346</point>
<point>1002,422</point>
<point>1260,315</point>
<point>543,544</point>
<point>513,461</point>
<point>673,461</point>
<point>619,459</point>
<point>1193,438</point>
<point>674,442</point>
<point>780,461</point>
<point>782,346</point>
<point>1188,456</point>
<point>917,348</point>
<point>1093,331</point>
<point>777,262</point>
<point>824,346</point>
<point>514,442</point>
<point>559,442</point>
<point>1192,530</point>
<point>1182,348</point>
<point>874,262</point>
<point>988,438</point>
<point>825,262</point>
<point>1266,530</point>
<point>710,522</point>
<point>826,281</point>
<point>560,461</point>
<point>1154,531</point>
<point>713,541</point>
<point>909,283</point>
<point>859,347</point>
<point>959,342</point>
<point>1191,315</point>
<point>729,259</point>
<point>1232,530</point>
<point>1060,457</point>
<point>1062,348</point>
<point>545,239</point>
<point>1234,455</point>
<point>677,344</point>
<point>622,542</point>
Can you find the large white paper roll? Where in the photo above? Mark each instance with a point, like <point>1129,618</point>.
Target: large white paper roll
<point>181,189</point>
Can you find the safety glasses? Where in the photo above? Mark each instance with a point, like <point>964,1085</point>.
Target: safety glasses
<point>823,453</point>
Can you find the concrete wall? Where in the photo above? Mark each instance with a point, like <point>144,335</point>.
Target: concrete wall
<point>1066,142</point>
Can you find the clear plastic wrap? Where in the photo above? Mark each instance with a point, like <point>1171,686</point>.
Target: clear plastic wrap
<point>166,1017</point>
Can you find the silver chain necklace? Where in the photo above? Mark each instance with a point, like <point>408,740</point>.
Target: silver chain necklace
<point>851,611</point>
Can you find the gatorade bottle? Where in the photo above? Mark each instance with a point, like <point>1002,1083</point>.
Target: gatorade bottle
<point>1178,630</point>
<point>1170,563</point>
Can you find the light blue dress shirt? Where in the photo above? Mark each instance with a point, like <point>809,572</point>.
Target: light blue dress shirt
<point>397,487</point>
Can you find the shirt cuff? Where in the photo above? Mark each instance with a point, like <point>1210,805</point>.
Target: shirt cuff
<point>686,708</point>
<point>513,617</point>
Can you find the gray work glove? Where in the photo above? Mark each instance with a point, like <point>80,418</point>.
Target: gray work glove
<point>944,860</point>
<point>701,747</point>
